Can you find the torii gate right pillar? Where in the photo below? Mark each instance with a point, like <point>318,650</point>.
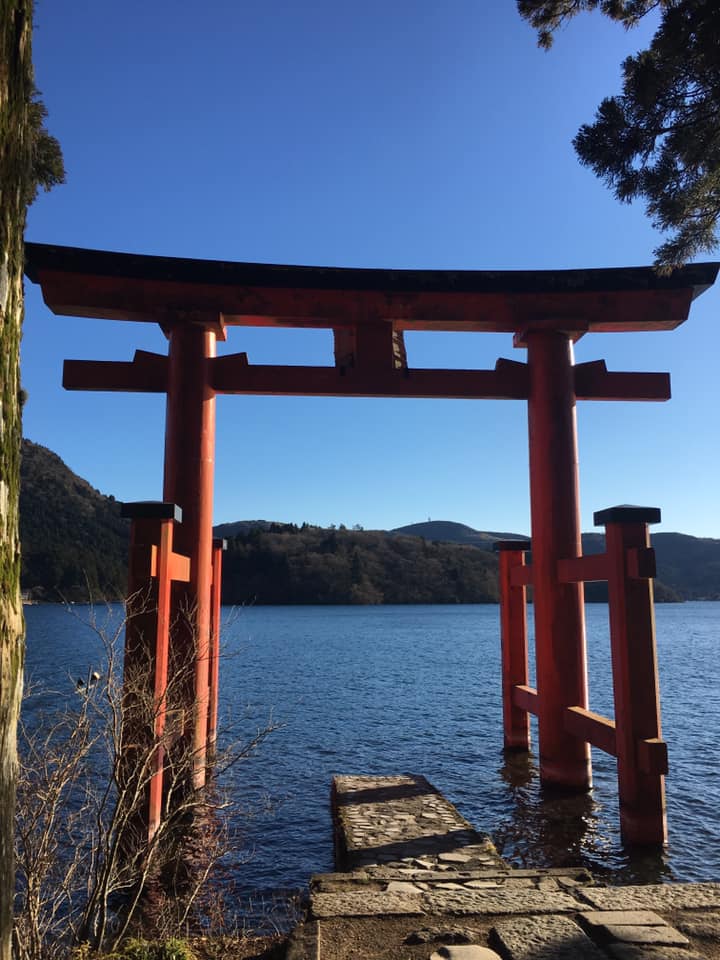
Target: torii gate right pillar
<point>555,522</point>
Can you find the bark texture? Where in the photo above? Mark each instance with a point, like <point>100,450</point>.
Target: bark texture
<point>16,87</point>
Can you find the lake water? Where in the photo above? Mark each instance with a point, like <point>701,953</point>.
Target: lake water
<point>385,690</point>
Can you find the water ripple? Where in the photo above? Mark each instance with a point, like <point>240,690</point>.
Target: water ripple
<point>387,690</point>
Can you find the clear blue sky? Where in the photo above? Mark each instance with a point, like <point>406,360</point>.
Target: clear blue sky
<point>402,134</point>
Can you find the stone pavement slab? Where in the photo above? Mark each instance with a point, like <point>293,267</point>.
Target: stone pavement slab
<point>401,886</point>
<point>393,820</point>
<point>545,938</point>
<point>625,917</point>
<point>364,904</point>
<point>441,934</point>
<point>705,926</point>
<point>663,897</point>
<point>469,952</point>
<point>499,902</point>
<point>663,936</point>
<point>627,951</point>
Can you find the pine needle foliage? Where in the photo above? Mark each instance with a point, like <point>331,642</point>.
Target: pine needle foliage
<point>659,140</point>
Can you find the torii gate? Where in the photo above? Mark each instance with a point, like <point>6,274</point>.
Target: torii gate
<point>195,301</point>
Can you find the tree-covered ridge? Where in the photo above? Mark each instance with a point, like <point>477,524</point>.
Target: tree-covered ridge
<point>290,564</point>
<point>73,536</point>
<point>74,543</point>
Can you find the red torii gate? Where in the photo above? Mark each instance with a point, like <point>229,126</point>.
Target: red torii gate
<point>195,301</point>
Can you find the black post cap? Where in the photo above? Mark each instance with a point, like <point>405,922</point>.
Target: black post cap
<point>626,513</point>
<point>151,510</point>
<point>501,545</point>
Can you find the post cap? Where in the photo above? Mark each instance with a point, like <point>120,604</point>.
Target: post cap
<point>219,543</point>
<point>626,513</point>
<point>151,510</point>
<point>500,545</point>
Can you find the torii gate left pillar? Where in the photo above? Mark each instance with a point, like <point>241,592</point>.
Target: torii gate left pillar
<point>188,481</point>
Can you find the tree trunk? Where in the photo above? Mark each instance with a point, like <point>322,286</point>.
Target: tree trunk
<point>16,86</point>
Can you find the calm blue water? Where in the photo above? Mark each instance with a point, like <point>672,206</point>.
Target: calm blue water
<point>417,689</point>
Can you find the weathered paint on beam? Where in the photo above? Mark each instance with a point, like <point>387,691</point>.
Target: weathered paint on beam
<point>592,727</point>
<point>593,381</point>
<point>96,283</point>
<point>368,377</point>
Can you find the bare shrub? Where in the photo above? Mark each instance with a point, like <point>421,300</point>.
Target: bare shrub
<point>88,871</point>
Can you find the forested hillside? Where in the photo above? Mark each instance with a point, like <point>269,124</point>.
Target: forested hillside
<point>688,568</point>
<point>289,564</point>
<point>74,543</point>
<point>75,546</point>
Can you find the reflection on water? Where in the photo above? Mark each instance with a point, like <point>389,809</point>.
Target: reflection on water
<point>543,826</point>
<point>551,827</point>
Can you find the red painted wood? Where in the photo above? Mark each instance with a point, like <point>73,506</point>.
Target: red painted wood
<point>559,613</point>
<point>521,576</point>
<point>592,727</point>
<point>178,565</point>
<point>413,300</point>
<point>514,644</point>
<point>189,470</point>
<point>526,698</point>
<point>179,568</point>
<point>636,689</point>
<point>583,569</point>
<point>372,369</point>
<point>594,382</point>
<point>214,666</point>
<point>230,376</point>
<point>146,657</point>
<point>164,588</point>
<point>641,563</point>
<point>653,756</point>
<point>147,373</point>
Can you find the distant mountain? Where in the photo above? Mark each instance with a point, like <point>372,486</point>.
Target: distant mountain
<point>75,545</point>
<point>240,527</point>
<point>688,568</point>
<point>449,532</point>
<point>688,565</point>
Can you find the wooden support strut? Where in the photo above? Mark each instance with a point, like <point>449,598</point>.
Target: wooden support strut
<point>219,546</point>
<point>641,752</point>
<point>513,635</point>
<point>152,568</point>
<point>634,737</point>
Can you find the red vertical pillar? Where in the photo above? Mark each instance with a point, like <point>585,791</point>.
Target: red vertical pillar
<point>513,634</point>
<point>147,632</point>
<point>641,752</point>
<point>214,668</point>
<point>559,614</point>
<point>189,469</point>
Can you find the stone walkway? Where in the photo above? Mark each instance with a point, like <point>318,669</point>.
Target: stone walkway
<point>415,879</point>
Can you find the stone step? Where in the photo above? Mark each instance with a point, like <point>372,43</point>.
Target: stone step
<point>375,877</point>
<point>417,881</point>
<point>403,822</point>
